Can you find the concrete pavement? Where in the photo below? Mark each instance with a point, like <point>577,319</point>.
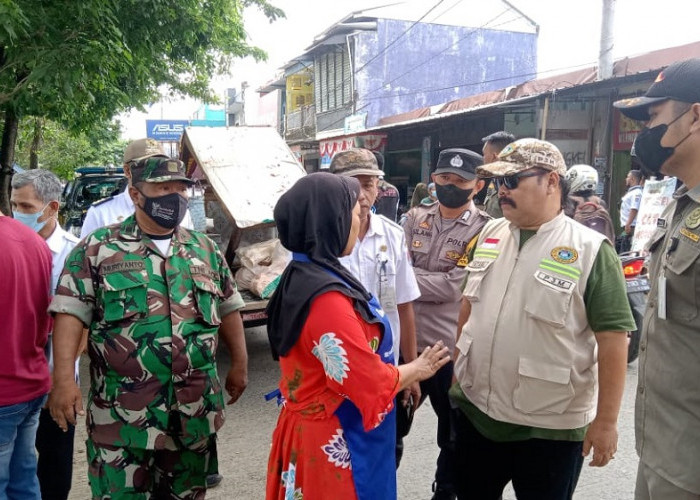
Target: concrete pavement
<point>244,443</point>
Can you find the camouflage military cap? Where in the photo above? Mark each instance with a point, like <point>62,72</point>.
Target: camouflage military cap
<point>522,155</point>
<point>159,169</point>
<point>142,148</point>
<point>355,161</point>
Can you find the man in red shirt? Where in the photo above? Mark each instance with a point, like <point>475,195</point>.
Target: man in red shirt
<point>25,267</point>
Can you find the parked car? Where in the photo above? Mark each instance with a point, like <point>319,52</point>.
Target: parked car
<point>90,184</point>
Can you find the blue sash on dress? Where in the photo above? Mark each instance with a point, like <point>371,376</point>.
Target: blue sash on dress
<point>372,454</point>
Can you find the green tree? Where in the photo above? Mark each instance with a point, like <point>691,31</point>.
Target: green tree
<point>81,62</point>
<point>62,150</point>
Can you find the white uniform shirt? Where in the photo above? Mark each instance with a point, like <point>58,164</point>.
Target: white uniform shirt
<point>380,262</point>
<point>60,243</point>
<point>113,210</point>
<point>630,201</point>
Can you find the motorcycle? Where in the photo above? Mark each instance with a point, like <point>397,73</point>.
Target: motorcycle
<point>637,283</point>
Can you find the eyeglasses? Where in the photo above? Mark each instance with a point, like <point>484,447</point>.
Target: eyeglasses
<point>512,181</point>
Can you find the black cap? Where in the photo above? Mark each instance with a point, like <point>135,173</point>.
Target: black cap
<point>679,82</point>
<point>462,162</point>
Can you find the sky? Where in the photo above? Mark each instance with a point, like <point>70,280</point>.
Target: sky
<point>569,37</point>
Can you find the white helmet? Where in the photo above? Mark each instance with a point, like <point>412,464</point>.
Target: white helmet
<point>582,178</point>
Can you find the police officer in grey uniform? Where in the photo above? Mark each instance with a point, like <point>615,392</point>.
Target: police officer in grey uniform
<point>439,237</point>
<point>667,420</point>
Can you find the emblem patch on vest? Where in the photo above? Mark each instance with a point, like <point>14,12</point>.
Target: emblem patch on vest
<point>417,244</point>
<point>564,255</point>
<point>693,219</point>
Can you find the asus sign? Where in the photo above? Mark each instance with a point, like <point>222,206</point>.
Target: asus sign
<point>165,130</point>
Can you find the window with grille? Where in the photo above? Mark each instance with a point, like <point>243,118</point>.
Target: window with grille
<point>333,77</point>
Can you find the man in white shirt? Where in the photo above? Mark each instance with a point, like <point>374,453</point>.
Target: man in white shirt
<point>120,206</point>
<point>629,207</point>
<point>380,261</point>
<point>34,201</point>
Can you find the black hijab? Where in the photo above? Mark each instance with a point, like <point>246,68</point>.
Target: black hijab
<point>313,218</point>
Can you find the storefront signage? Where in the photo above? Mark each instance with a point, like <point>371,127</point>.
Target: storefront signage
<point>165,130</point>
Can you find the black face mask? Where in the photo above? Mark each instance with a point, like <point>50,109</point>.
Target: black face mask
<point>451,196</point>
<point>167,211</point>
<point>647,146</point>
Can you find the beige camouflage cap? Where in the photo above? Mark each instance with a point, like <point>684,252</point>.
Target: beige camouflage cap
<point>522,155</point>
<point>355,161</point>
<point>142,148</point>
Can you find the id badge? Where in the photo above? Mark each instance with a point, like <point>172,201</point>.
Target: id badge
<point>661,295</point>
<point>388,298</point>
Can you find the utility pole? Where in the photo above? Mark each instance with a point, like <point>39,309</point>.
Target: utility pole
<point>607,38</point>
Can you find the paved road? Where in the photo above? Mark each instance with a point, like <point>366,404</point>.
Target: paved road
<point>245,439</point>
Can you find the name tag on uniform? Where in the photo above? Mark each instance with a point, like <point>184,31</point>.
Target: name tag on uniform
<point>661,295</point>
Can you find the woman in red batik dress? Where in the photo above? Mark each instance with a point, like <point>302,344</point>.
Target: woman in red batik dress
<point>335,436</point>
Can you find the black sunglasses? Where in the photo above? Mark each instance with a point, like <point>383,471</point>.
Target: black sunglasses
<point>512,181</point>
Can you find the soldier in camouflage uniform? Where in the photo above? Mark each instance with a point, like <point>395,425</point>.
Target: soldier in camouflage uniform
<point>155,297</point>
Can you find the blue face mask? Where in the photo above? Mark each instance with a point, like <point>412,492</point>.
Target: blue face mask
<point>31,220</point>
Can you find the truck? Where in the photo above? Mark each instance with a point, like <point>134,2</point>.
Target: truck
<point>239,173</point>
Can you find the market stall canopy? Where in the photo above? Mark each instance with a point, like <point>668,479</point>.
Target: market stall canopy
<point>248,168</point>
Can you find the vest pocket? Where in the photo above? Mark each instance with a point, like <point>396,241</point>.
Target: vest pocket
<point>542,388</point>
<point>124,294</point>
<point>549,299</point>
<point>476,272</point>
<point>461,365</point>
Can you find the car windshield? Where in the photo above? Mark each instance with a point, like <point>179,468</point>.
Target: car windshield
<point>88,190</point>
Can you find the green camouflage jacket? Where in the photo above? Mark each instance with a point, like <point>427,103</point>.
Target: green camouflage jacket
<point>153,332</point>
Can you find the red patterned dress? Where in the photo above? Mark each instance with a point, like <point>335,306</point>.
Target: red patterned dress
<point>334,359</point>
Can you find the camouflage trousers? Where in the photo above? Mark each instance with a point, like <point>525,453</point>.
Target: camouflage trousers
<point>176,472</point>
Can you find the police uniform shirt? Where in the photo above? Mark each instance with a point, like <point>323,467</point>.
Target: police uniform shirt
<point>380,261</point>
<point>115,209</point>
<point>667,410</point>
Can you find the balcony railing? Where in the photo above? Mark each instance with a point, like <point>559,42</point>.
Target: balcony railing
<point>301,124</point>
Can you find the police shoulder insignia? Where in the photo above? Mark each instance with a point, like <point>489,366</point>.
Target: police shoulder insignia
<point>452,255</point>
<point>564,255</point>
<point>417,244</point>
<point>693,219</point>
<point>100,202</point>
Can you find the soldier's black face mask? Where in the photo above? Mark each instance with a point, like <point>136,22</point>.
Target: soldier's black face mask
<point>451,196</point>
<point>167,211</point>
<point>647,146</point>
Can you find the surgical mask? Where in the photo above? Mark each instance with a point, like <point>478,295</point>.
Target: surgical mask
<point>31,220</point>
<point>167,211</point>
<point>451,196</point>
<point>647,146</point>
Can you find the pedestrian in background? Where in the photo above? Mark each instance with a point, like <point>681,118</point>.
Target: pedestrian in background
<point>156,298</point>
<point>545,331</point>
<point>379,260</point>
<point>439,236</point>
<point>667,413</point>
<point>25,267</point>
<point>35,202</point>
<point>420,192</point>
<point>629,207</point>
<point>387,202</point>
<point>494,144</point>
<point>335,436</point>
